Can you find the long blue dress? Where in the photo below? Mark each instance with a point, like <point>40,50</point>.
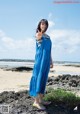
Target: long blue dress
<point>41,66</point>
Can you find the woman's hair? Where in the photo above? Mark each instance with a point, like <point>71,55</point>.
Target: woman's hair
<point>38,27</point>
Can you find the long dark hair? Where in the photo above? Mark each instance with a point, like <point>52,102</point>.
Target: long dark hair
<point>38,27</point>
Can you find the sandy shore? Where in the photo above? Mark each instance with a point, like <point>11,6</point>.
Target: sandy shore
<point>16,81</point>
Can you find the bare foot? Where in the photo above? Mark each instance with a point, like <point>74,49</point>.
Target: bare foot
<point>45,102</point>
<point>39,106</point>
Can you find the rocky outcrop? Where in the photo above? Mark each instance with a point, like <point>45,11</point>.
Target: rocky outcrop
<point>23,68</point>
<point>67,82</point>
<point>21,103</point>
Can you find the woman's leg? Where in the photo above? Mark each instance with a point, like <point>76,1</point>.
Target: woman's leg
<point>37,103</point>
<point>36,99</point>
<point>42,101</point>
<point>41,97</point>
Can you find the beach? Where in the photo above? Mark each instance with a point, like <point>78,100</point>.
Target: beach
<point>14,86</point>
<point>19,80</point>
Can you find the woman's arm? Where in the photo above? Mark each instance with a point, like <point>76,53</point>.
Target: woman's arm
<point>38,35</point>
<point>51,62</point>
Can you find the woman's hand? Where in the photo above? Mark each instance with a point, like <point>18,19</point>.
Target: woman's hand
<point>51,62</point>
<point>51,65</point>
<point>39,35</point>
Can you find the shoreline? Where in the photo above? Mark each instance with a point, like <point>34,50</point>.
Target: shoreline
<point>18,78</point>
<point>14,86</point>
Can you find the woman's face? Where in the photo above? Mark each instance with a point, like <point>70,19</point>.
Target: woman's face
<point>43,26</point>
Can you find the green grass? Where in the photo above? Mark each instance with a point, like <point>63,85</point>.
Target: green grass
<point>62,96</point>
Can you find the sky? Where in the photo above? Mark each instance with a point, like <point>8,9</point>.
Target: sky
<point>18,23</point>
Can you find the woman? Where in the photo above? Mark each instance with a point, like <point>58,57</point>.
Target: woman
<point>43,63</point>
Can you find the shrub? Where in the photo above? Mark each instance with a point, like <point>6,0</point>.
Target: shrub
<point>62,96</point>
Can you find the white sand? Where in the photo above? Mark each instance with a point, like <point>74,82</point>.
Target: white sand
<point>16,81</point>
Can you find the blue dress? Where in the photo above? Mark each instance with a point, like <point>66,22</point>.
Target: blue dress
<point>41,66</point>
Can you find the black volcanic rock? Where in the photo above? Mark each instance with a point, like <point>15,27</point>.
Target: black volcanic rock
<point>21,103</point>
<point>66,81</point>
<point>19,69</point>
